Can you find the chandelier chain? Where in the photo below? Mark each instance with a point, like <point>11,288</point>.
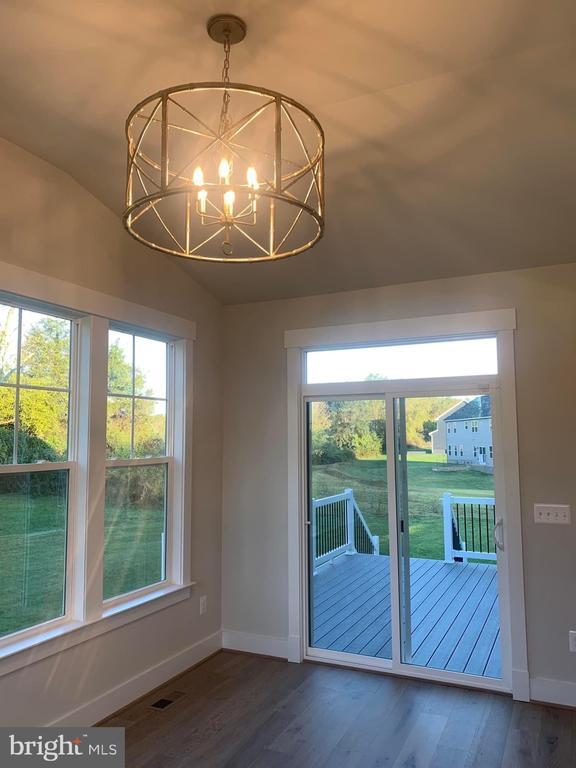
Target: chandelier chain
<point>224,116</point>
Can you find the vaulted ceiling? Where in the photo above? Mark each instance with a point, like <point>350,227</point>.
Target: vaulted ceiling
<point>450,126</point>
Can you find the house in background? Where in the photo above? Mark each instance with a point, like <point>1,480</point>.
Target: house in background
<point>438,436</point>
<point>468,433</point>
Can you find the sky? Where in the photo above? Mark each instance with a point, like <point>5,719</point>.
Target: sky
<point>469,357</point>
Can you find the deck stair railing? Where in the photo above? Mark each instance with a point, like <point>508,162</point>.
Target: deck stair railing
<point>339,527</point>
<point>469,524</point>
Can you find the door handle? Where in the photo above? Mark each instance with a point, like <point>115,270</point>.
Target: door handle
<point>499,542</point>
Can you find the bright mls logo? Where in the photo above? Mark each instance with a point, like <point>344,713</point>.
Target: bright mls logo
<point>32,747</point>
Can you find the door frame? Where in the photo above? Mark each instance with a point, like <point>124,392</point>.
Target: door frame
<point>498,323</point>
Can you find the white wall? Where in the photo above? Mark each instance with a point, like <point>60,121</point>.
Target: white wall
<point>255,556</point>
<point>49,224</point>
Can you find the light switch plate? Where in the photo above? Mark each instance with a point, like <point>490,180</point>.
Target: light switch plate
<point>572,641</point>
<point>557,514</point>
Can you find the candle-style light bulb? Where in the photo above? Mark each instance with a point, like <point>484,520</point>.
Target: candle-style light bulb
<point>198,177</point>
<point>202,196</point>
<point>229,198</point>
<point>252,178</point>
<point>224,170</point>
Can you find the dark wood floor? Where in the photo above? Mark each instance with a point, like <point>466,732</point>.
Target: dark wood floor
<point>240,711</point>
<point>455,621</point>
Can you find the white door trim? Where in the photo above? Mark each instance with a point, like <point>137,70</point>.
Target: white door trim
<point>297,343</point>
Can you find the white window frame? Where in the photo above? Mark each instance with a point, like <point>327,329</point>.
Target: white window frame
<point>500,323</point>
<point>172,353</point>
<point>86,614</point>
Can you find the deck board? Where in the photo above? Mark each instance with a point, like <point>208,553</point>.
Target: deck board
<point>455,622</point>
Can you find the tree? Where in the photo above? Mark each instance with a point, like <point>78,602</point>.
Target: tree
<point>428,426</point>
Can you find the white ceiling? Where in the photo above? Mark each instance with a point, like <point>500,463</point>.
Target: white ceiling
<point>450,126</point>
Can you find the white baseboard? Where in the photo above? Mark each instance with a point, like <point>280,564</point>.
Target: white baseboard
<point>123,694</point>
<point>266,645</point>
<point>553,691</point>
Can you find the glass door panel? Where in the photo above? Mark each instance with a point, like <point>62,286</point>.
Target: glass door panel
<point>448,529</point>
<point>349,563</point>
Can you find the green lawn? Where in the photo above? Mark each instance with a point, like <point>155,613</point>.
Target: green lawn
<point>33,551</point>
<point>426,484</point>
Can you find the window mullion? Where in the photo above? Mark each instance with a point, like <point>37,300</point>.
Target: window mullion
<point>17,392</point>
<point>91,457</point>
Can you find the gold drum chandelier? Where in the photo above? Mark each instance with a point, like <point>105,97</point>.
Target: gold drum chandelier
<point>224,172</point>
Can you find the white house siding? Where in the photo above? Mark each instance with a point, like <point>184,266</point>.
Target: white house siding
<point>438,436</point>
<point>469,441</point>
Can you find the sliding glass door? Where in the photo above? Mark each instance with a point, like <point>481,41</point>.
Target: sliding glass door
<point>449,534</point>
<point>446,531</point>
<point>350,608</point>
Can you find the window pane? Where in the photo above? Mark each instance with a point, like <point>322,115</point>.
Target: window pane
<point>33,513</point>
<point>134,528</point>
<point>150,379</point>
<point>45,353</point>
<point>7,411</point>
<point>8,343</point>
<point>119,428</point>
<point>43,431</point>
<point>469,357</point>
<point>120,363</point>
<point>149,428</point>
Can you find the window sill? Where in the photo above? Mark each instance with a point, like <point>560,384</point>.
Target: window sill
<point>25,651</point>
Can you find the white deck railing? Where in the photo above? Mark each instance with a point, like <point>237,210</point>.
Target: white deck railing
<point>338,528</point>
<point>469,524</point>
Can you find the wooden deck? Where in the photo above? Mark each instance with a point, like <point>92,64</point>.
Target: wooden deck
<point>455,622</point>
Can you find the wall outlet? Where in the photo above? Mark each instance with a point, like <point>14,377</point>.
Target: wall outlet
<point>572,641</point>
<point>203,604</point>
<point>558,514</point>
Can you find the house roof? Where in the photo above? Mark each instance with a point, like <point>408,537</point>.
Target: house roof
<point>478,408</point>
<point>443,416</point>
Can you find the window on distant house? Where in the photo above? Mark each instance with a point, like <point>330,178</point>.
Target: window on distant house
<point>491,453</point>
<point>474,426</point>
<point>461,450</point>
<point>449,450</point>
<point>138,465</point>
<point>35,354</point>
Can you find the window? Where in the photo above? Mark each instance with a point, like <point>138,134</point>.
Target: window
<point>474,426</point>
<point>35,354</point>
<point>491,453</point>
<point>92,449</point>
<point>461,450</point>
<point>137,467</point>
<point>430,359</point>
<point>449,450</point>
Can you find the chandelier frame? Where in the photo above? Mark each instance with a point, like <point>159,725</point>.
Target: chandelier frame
<point>143,172</point>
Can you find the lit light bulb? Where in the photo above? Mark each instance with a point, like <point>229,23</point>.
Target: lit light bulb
<point>252,178</point>
<point>202,197</point>
<point>198,177</point>
<point>229,198</point>
<point>224,170</point>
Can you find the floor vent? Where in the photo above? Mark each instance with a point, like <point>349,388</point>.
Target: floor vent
<point>166,702</point>
<point>162,704</point>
